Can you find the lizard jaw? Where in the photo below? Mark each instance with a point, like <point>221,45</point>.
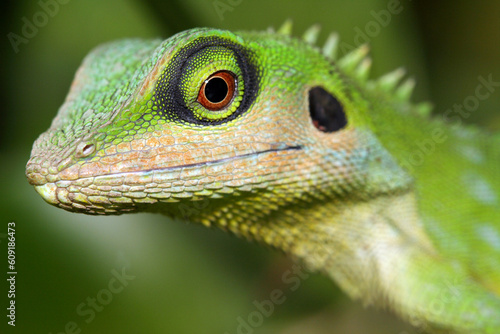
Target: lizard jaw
<point>115,193</point>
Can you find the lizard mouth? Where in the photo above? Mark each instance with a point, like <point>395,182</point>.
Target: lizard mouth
<point>217,161</point>
<point>121,191</point>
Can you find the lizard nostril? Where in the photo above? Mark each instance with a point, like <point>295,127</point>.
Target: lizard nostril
<point>84,149</point>
<point>88,149</point>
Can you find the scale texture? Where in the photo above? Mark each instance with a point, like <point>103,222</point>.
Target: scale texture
<point>277,140</point>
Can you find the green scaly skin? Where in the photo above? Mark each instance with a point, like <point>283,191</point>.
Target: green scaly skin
<point>421,238</point>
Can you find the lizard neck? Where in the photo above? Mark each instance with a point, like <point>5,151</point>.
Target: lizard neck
<point>356,242</point>
<point>377,251</point>
<point>362,245</point>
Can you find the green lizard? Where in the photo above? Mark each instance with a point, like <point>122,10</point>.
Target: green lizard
<point>278,141</point>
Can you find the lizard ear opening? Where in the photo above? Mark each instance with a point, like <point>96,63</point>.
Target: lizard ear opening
<point>326,112</point>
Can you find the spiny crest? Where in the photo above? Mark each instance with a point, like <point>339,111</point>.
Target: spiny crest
<point>311,35</point>
<point>286,28</point>
<point>357,63</point>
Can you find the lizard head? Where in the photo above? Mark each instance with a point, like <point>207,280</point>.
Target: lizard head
<point>213,126</point>
<point>270,138</point>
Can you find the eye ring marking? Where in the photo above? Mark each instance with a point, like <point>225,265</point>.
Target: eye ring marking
<point>217,91</point>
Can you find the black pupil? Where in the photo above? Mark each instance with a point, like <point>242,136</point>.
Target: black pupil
<point>216,90</point>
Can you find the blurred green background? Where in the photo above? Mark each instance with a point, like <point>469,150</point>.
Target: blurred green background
<point>186,278</point>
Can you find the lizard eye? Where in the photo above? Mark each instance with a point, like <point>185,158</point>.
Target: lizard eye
<point>209,81</point>
<point>212,84</point>
<point>217,91</point>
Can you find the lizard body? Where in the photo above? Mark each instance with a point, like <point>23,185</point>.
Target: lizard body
<point>277,141</point>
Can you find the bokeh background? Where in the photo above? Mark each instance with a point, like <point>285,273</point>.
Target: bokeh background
<point>186,278</point>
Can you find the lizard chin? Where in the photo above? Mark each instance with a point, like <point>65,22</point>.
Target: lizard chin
<point>48,193</point>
